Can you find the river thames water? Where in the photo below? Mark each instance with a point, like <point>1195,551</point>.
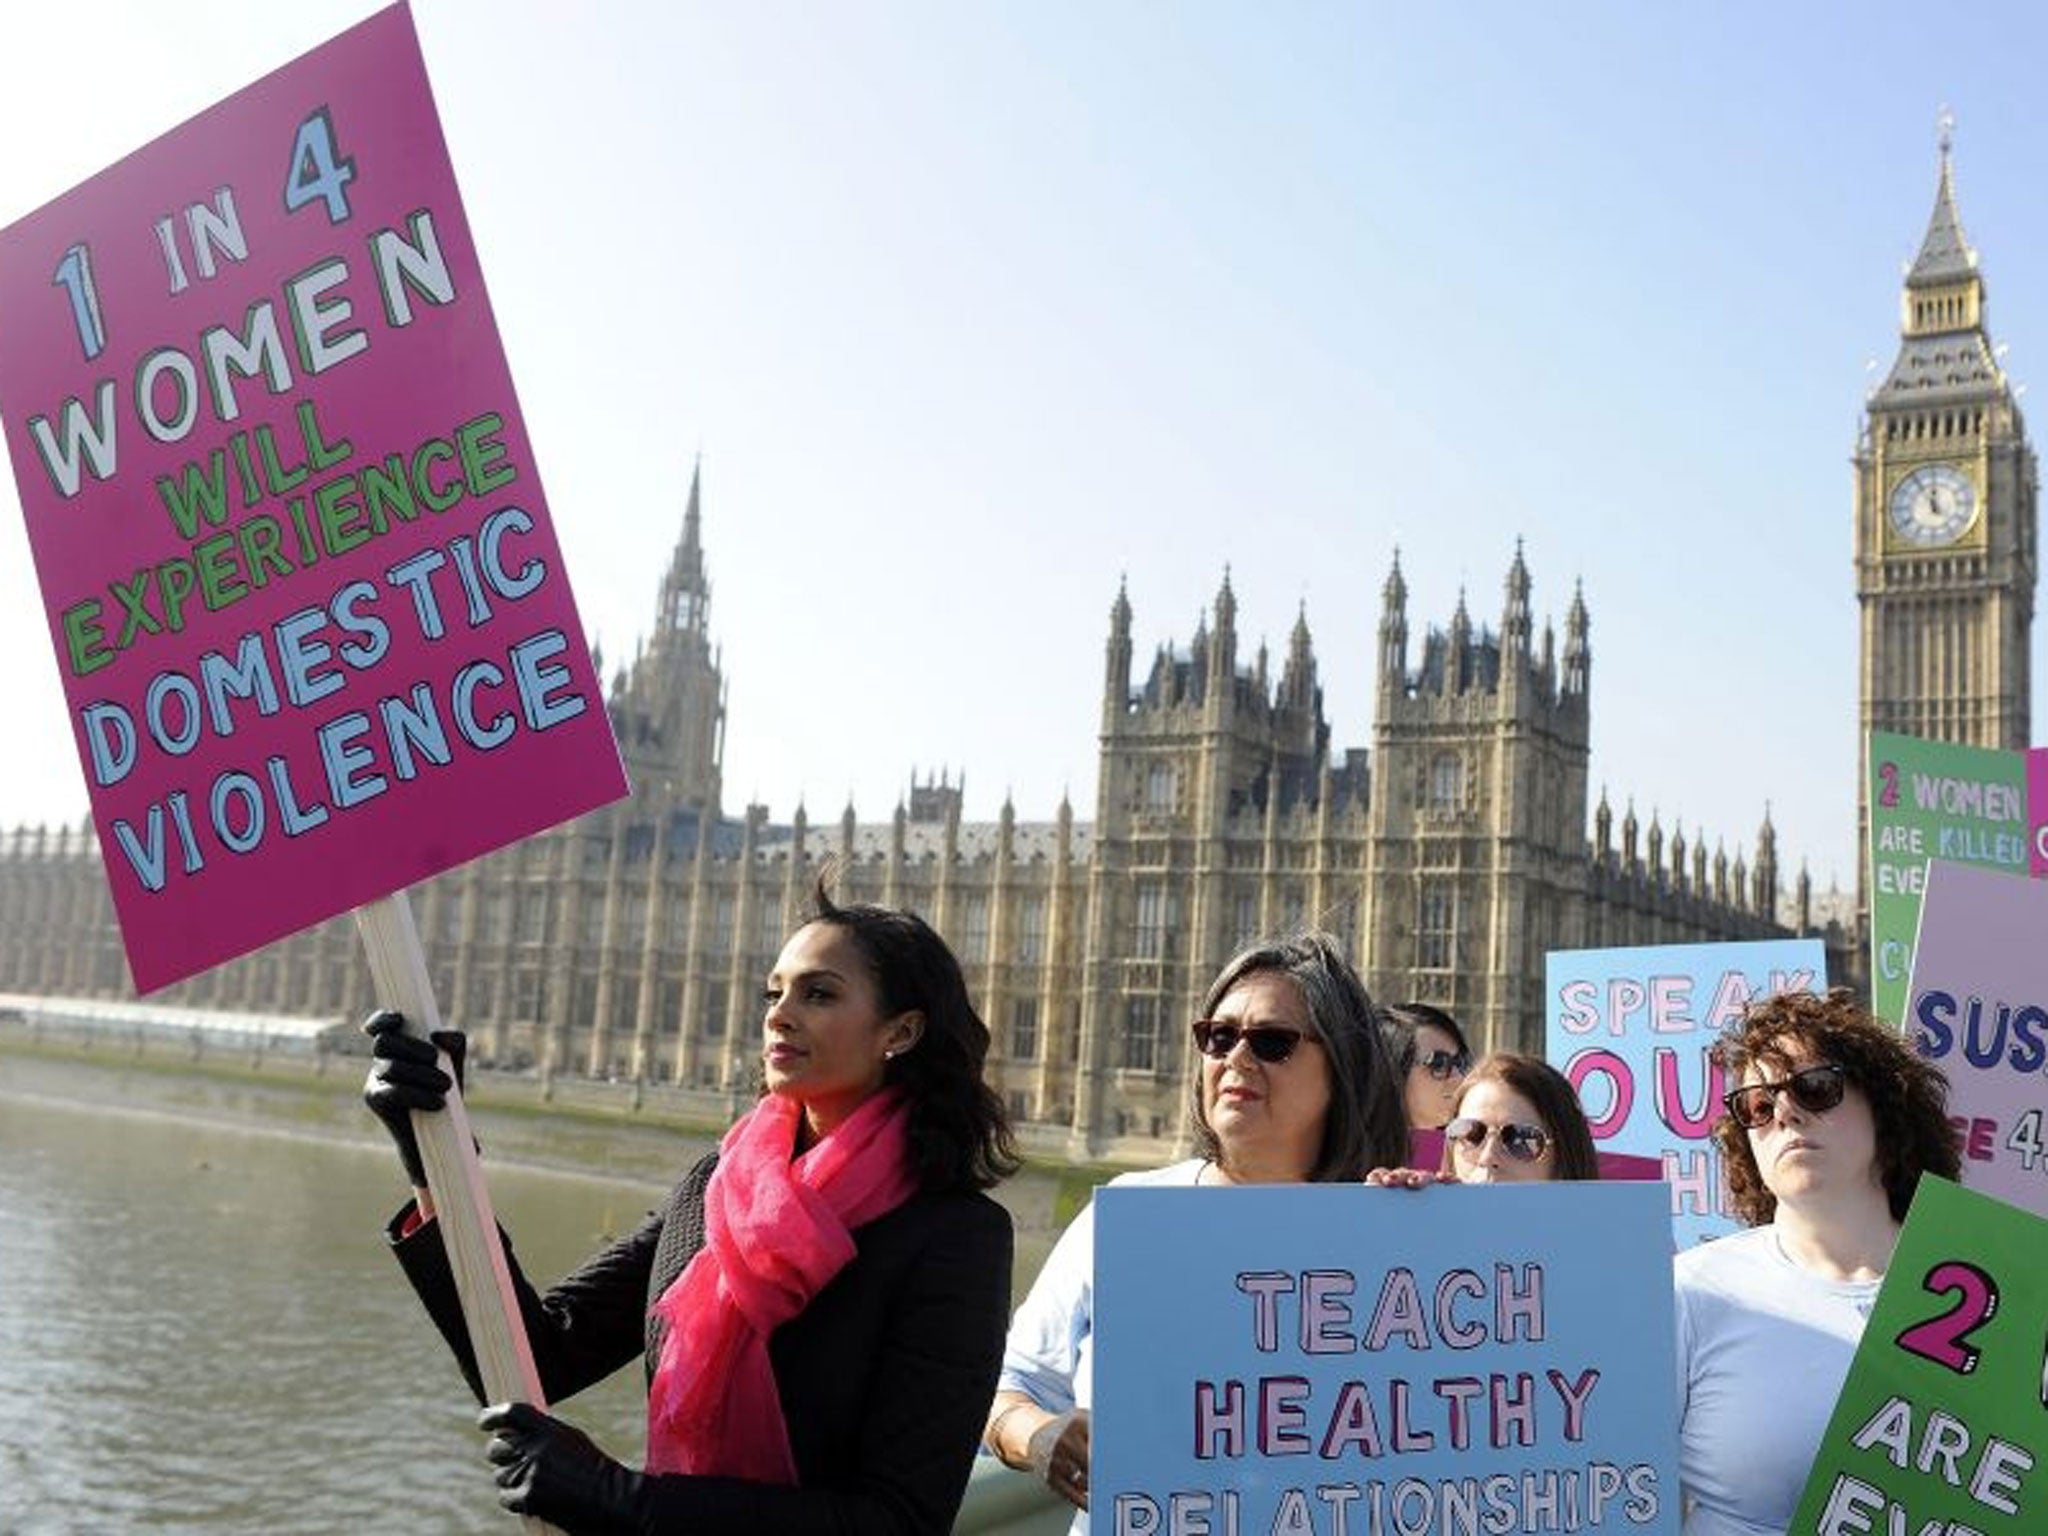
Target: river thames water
<point>201,1330</point>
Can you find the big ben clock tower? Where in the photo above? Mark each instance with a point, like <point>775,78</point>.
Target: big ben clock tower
<point>1945,531</point>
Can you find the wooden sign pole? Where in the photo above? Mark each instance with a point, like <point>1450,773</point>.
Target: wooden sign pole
<point>455,1174</point>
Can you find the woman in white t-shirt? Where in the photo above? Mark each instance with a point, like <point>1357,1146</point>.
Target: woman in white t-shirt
<point>1832,1119</point>
<point>1293,1085</point>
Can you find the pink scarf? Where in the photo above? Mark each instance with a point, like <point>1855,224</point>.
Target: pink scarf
<point>775,1231</point>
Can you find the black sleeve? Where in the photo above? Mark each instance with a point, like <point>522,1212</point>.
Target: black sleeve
<point>580,1332</point>
<point>937,1357</point>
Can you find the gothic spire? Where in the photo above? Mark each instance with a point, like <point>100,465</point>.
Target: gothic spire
<point>1945,350</point>
<point>685,590</point>
<point>1945,253</point>
<point>1298,674</point>
<point>1394,628</point>
<point>1222,653</point>
<point>1395,593</point>
<point>1578,653</point>
<point>1116,674</point>
<point>1515,621</point>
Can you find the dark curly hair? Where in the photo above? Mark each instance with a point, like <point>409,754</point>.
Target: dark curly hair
<point>1907,1094</point>
<point>1366,1125</point>
<point>1550,1092</point>
<point>960,1135</point>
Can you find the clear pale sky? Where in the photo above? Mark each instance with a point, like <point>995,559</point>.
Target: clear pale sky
<point>971,310</point>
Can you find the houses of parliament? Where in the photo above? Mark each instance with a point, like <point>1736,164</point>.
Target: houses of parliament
<point>1448,854</point>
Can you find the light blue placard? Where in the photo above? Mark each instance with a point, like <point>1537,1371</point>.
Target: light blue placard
<point>1315,1358</point>
<point>1631,1029</point>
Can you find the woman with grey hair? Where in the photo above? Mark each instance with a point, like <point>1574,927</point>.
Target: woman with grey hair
<point>1292,1085</point>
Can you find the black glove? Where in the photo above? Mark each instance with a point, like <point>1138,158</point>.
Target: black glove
<point>403,1077</point>
<point>550,1470</point>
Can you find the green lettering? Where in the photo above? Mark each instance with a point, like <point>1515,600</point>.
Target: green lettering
<point>275,475</point>
<point>309,552</point>
<point>385,485</point>
<point>220,580</point>
<point>84,639</point>
<point>319,452</point>
<point>175,580</point>
<point>332,503</point>
<point>260,554</point>
<point>136,619</point>
<point>480,450</point>
<point>203,494</point>
<point>434,448</point>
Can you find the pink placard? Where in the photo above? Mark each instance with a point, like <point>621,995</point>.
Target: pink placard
<point>315,633</point>
<point>2037,812</point>
<point>1978,1009</point>
<point>1628,1165</point>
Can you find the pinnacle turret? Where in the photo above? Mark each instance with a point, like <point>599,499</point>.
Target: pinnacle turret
<point>685,590</point>
<point>1578,651</point>
<point>1945,252</point>
<point>1298,676</point>
<point>1394,593</point>
<point>1394,628</point>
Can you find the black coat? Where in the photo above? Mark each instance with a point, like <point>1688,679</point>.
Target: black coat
<point>885,1378</point>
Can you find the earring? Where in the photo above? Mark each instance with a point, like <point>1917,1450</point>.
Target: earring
<point>889,1055</point>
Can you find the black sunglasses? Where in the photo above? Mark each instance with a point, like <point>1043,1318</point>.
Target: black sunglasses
<point>1815,1089</point>
<point>1524,1143</point>
<point>1445,1065</point>
<point>1271,1043</point>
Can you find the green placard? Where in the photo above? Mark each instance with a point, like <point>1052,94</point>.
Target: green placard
<point>1932,800</point>
<point>1942,1426</point>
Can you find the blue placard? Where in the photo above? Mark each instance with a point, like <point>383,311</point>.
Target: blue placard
<point>1334,1358</point>
<point>1631,1029</point>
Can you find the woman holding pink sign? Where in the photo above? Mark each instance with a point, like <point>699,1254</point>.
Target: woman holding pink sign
<point>1832,1122</point>
<point>819,1306</point>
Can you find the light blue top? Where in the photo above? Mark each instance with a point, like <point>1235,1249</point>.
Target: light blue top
<point>1050,1354</point>
<point>1763,1349</point>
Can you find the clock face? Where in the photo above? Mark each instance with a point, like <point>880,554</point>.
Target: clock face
<point>1933,505</point>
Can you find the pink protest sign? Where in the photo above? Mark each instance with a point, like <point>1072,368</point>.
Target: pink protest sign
<point>1978,1009</point>
<point>315,633</point>
<point>2037,812</point>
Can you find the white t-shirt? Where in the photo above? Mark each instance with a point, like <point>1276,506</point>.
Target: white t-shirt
<point>1763,1349</point>
<point>1050,1353</point>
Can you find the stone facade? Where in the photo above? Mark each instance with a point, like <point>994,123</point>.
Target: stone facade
<point>1449,855</point>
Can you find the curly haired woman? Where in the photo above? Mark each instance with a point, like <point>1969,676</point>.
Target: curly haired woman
<point>1831,1123</point>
